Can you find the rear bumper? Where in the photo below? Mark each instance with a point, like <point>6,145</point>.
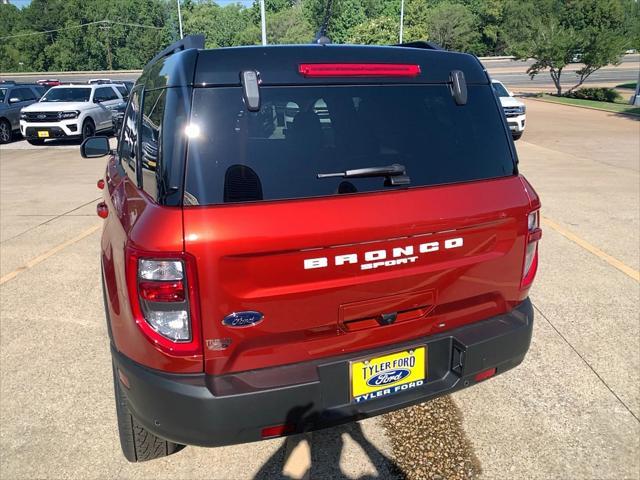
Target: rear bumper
<point>189,409</point>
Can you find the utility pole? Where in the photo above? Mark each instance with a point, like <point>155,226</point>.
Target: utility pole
<point>180,20</point>
<point>263,23</point>
<point>106,26</point>
<point>401,19</point>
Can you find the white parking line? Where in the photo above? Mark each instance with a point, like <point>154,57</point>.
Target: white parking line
<point>614,262</point>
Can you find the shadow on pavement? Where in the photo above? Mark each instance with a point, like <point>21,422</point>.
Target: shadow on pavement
<point>629,116</point>
<point>326,452</point>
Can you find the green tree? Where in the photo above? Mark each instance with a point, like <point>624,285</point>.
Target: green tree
<point>556,33</point>
<point>377,31</point>
<point>452,26</point>
<point>416,16</point>
<point>220,25</point>
<point>289,26</point>
<point>345,15</point>
<point>490,17</point>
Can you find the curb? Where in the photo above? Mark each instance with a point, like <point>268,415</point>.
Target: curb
<point>583,106</point>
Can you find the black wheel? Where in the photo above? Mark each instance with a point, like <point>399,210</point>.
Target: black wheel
<point>88,129</point>
<point>138,444</point>
<point>5,131</point>
<point>35,141</point>
<point>516,136</point>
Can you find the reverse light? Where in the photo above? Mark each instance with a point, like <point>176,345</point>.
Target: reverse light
<point>172,324</point>
<point>534,233</point>
<point>164,300</point>
<point>314,70</point>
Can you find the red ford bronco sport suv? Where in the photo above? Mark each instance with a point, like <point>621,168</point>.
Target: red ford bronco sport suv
<point>301,236</point>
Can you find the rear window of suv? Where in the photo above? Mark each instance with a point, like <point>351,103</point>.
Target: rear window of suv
<point>276,153</point>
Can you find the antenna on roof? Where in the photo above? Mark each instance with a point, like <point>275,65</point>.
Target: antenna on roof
<point>321,37</point>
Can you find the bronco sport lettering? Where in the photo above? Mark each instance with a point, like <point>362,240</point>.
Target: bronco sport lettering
<point>378,258</point>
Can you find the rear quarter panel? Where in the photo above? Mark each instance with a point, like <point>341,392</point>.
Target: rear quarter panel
<point>135,221</point>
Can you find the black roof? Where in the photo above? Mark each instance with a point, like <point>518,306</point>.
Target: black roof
<point>278,64</point>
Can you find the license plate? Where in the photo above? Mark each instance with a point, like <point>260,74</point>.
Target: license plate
<point>43,134</point>
<point>388,374</point>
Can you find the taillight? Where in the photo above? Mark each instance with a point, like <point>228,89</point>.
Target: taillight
<point>163,296</point>
<point>534,233</point>
<point>312,70</point>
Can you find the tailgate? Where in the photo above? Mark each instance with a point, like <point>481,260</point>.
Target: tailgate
<point>346,273</point>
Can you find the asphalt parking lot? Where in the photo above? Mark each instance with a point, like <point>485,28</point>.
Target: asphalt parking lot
<point>571,410</point>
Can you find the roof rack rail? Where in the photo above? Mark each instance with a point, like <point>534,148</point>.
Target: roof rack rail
<point>190,41</point>
<point>420,44</point>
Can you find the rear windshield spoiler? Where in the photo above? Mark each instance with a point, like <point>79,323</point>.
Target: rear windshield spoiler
<point>280,65</point>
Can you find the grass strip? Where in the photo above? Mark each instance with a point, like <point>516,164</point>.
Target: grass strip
<point>606,106</point>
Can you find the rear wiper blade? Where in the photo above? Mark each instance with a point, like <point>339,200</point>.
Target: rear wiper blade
<point>396,174</point>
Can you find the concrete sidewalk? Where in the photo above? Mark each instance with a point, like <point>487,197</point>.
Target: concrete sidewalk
<point>571,409</point>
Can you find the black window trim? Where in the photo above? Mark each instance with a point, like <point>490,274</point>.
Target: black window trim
<point>121,168</point>
<point>163,91</point>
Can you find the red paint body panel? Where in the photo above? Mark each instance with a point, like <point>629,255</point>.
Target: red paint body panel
<point>251,257</point>
<point>135,221</point>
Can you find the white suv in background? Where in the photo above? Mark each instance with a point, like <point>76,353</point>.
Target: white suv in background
<point>513,108</point>
<point>72,111</point>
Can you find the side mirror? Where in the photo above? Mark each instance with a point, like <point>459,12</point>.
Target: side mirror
<point>97,100</point>
<point>14,100</point>
<point>94,147</point>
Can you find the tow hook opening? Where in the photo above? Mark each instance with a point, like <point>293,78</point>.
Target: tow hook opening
<point>457,359</point>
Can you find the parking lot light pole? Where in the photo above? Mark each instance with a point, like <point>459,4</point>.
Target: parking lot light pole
<point>401,19</point>
<point>263,23</point>
<point>180,20</point>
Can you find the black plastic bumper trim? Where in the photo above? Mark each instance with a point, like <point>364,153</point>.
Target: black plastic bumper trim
<point>183,409</point>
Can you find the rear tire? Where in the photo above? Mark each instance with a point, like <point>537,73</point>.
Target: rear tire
<point>5,131</point>
<point>88,129</point>
<point>35,141</point>
<point>516,136</point>
<point>138,444</point>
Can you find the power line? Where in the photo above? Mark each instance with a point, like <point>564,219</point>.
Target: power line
<point>100,22</point>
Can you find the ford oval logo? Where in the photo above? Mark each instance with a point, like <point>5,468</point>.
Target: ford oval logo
<point>387,377</point>
<point>42,116</point>
<point>243,319</point>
